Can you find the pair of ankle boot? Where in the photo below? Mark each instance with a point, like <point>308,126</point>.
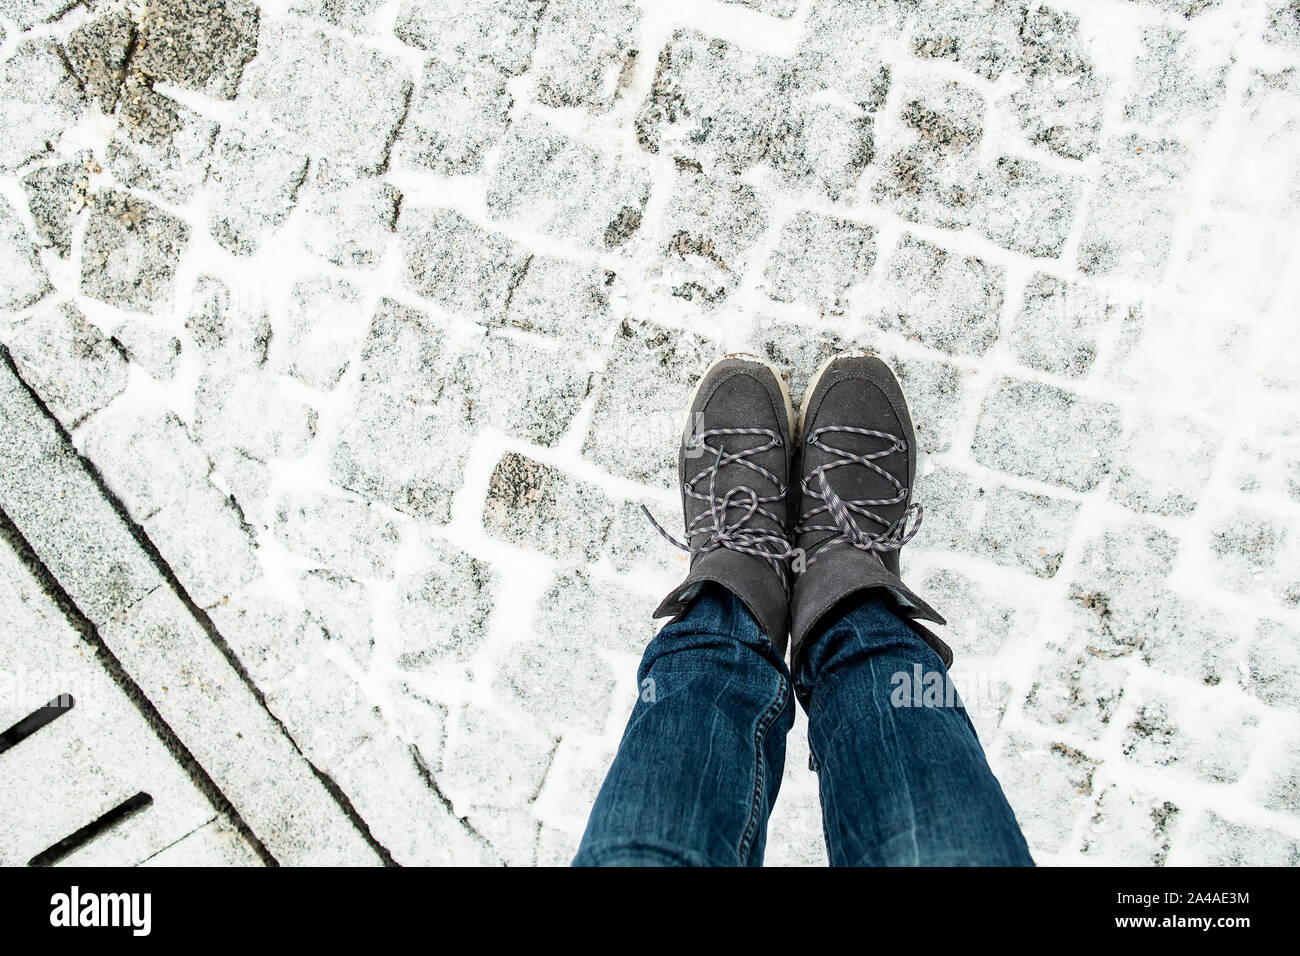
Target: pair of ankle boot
<point>798,516</point>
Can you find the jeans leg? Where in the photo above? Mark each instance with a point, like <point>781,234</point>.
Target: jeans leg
<point>700,763</point>
<point>903,778</point>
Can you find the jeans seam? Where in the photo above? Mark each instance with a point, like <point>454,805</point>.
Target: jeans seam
<point>761,727</point>
<point>821,801</point>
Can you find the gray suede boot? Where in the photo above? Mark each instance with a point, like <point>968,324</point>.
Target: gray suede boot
<point>857,461</point>
<point>734,468</point>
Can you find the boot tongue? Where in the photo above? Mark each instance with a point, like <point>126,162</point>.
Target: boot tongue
<point>735,474</point>
<point>852,403</point>
<point>858,482</point>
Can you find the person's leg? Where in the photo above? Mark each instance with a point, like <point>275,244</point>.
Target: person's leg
<point>903,778</point>
<point>700,763</point>
<point>899,784</point>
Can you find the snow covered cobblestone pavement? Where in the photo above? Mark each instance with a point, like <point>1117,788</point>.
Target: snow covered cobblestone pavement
<point>343,342</point>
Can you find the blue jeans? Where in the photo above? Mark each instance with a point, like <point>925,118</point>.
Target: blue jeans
<point>700,763</point>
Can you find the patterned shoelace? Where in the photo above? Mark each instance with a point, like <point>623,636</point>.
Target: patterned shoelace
<point>841,513</point>
<point>720,528</point>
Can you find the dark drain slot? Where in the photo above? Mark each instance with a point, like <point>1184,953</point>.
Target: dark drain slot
<point>91,830</point>
<point>35,721</point>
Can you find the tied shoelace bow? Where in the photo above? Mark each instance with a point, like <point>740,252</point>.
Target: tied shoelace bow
<point>734,533</point>
<point>892,534</point>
